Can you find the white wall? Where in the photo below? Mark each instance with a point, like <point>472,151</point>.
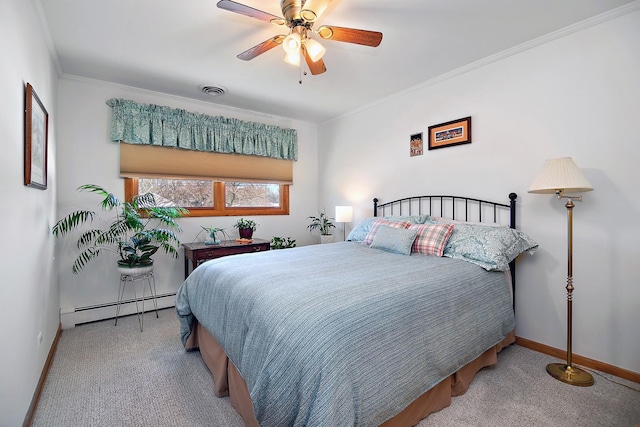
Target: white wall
<point>87,156</point>
<point>29,289</point>
<point>578,96</point>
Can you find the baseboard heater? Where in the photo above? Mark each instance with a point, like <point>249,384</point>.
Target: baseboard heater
<point>70,318</point>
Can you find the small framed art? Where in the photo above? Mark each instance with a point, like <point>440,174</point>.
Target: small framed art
<point>415,147</point>
<point>35,140</point>
<point>455,132</point>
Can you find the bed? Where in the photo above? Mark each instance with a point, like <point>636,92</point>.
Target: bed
<point>378,330</point>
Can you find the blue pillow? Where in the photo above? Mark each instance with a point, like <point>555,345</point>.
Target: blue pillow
<point>361,230</point>
<point>492,248</point>
<point>396,240</point>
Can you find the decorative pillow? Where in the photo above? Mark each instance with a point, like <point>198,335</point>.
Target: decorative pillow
<point>396,240</point>
<point>360,231</point>
<point>431,238</point>
<point>377,223</point>
<point>492,248</point>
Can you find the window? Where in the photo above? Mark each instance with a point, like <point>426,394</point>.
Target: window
<point>214,198</point>
<point>250,194</point>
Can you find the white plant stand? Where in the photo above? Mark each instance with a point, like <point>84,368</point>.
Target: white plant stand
<point>130,278</point>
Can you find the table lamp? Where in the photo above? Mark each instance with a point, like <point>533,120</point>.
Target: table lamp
<point>344,214</point>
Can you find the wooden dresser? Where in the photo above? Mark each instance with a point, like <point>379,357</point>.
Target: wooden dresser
<point>198,252</point>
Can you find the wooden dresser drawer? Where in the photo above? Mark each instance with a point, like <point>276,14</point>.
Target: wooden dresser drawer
<point>198,253</point>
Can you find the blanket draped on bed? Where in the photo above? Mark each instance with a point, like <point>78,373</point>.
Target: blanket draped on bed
<point>343,334</point>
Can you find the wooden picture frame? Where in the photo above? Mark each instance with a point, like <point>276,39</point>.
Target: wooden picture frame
<point>455,132</point>
<point>36,131</point>
<point>415,145</point>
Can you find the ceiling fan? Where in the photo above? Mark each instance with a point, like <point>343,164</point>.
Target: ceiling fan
<point>299,16</point>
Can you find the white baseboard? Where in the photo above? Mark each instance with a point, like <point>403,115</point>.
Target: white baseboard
<point>70,317</point>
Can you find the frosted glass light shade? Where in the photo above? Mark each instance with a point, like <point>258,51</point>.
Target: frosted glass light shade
<point>292,58</point>
<point>344,213</point>
<point>292,43</point>
<point>560,175</point>
<point>315,50</point>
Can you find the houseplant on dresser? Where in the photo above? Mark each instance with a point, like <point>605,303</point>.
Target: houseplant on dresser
<point>323,224</point>
<point>136,231</point>
<point>246,227</point>
<point>213,237</point>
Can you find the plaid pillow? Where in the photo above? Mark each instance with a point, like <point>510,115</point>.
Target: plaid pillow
<point>432,238</point>
<point>378,222</point>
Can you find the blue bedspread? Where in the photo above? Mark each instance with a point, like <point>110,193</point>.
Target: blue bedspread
<point>342,334</point>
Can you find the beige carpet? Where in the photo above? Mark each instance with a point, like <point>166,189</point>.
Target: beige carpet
<point>106,375</point>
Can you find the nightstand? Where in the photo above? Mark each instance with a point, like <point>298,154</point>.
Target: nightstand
<point>198,253</point>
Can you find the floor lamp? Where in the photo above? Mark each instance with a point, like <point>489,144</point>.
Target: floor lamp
<point>344,214</point>
<point>560,176</point>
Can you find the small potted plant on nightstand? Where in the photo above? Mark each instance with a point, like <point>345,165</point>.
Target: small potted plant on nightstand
<point>246,227</point>
<point>323,224</point>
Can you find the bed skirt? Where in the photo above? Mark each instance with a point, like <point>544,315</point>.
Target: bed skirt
<point>228,381</point>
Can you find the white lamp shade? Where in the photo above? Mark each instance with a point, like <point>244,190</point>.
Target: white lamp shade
<point>314,49</point>
<point>344,213</point>
<point>560,175</point>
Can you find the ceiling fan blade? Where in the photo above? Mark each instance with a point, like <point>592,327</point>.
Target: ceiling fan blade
<point>350,35</point>
<point>317,6</point>
<point>261,48</point>
<point>233,6</point>
<point>315,68</point>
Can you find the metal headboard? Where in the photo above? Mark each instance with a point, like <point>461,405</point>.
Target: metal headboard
<point>459,208</point>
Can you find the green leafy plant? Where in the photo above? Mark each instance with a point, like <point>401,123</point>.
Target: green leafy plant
<point>322,223</point>
<point>137,231</point>
<point>282,242</point>
<point>244,224</point>
<point>212,234</point>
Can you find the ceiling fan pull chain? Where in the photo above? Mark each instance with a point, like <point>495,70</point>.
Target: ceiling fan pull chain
<point>303,72</point>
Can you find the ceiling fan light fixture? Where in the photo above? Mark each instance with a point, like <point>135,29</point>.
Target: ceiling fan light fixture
<point>315,50</point>
<point>292,58</point>
<point>291,43</point>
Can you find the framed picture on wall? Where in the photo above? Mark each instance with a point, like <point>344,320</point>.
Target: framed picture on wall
<point>455,132</point>
<point>35,140</point>
<point>415,146</point>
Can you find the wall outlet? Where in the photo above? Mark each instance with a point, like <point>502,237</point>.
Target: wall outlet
<point>39,339</point>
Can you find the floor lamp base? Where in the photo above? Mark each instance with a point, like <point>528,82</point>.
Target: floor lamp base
<point>570,374</point>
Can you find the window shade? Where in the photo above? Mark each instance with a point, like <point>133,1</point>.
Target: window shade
<point>145,161</point>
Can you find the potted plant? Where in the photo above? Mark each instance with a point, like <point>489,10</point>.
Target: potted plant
<point>323,224</point>
<point>213,240</point>
<point>137,230</point>
<point>282,242</point>
<point>246,227</point>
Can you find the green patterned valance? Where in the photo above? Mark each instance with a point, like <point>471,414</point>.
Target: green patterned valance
<point>170,127</point>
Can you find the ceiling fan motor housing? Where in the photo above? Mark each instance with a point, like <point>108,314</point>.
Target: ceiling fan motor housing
<point>291,9</point>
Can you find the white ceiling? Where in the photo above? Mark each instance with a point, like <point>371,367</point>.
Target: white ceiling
<point>175,46</point>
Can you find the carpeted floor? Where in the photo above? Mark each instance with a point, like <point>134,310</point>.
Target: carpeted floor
<point>106,375</point>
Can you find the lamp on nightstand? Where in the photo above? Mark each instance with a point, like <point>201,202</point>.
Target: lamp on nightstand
<point>560,176</point>
<point>344,214</point>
